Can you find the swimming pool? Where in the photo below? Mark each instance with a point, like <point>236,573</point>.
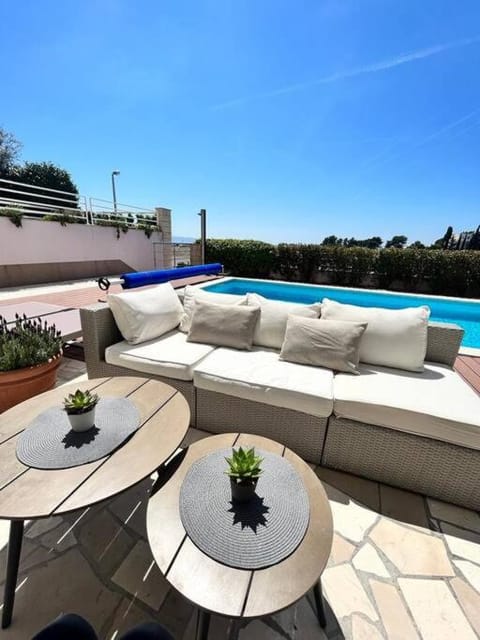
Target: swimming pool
<point>465,313</point>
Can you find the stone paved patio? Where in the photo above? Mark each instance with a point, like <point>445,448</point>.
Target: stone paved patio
<point>402,567</point>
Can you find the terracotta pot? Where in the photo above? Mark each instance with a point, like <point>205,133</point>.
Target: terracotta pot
<point>21,384</point>
<point>243,491</point>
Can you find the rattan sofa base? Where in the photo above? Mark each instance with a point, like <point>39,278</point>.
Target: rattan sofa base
<point>220,413</point>
<point>432,467</point>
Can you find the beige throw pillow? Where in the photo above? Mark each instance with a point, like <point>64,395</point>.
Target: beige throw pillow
<point>327,343</point>
<point>147,314</point>
<point>270,330</point>
<point>223,325</point>
<point>394,337</point>
<point>190,294</point>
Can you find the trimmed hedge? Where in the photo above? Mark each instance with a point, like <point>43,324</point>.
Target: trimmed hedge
<point>250,258</point>
<point>455,273</point>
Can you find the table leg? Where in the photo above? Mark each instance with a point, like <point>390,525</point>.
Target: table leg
<point>317,592</point>
<point>13,560</point>
<point>203,623</point>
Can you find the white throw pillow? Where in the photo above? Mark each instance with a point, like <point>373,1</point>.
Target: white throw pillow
<point>394,337</point>
<point>144,315</point>
<point>270,329</point>
<point>196,293</point>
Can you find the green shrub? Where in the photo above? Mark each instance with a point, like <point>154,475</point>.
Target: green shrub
<point>27,343</point>
<point>250,258</point>
<point>455,273</point>
<point>14,214</point>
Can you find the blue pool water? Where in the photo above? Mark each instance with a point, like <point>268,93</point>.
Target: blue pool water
<point>465,313</point>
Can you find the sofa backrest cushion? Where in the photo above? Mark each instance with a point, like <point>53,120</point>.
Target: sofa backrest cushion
<point>145,315</point>
<point>270,330</point>
<point>191,294</point>
<point>333,344</point>
<point>223,325</point>
<point>394,337</point>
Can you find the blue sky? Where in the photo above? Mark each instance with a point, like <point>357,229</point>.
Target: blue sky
<point>287,121</point>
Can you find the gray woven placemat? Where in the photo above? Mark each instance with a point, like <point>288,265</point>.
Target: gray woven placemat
<point>49,442</point>
<point>258,534</point>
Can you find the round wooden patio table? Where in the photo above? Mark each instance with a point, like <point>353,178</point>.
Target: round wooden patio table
<point>28,494</point>
<point>216,588</point>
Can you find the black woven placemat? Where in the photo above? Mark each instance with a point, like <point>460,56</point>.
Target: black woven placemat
<point>255,535</point>
<point>49,442</point>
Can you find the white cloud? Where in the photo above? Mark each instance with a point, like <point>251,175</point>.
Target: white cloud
<point>383,65</point>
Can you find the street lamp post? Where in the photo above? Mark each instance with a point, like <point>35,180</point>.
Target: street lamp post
<point>114,173</point>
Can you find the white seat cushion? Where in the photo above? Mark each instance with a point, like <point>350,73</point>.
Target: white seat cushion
<point>436,403</point>
<point>260,376</point>
<point>170,356</point>
<point>271,327</point>
<point>393,338</point>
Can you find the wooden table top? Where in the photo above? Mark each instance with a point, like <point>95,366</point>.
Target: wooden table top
<point>34,493</point>
<point>215,587</point>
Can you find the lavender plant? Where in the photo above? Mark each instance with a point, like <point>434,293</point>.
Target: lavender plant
<point>27,342</point>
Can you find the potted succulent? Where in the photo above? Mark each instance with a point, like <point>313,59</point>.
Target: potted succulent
<point>244,471</point>
<point>30,353</point>
<point>80,408</point>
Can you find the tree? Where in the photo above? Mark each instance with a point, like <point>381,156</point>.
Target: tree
<point>9,151</point>
<point>49,176</point>
<point>416,245</point>
<point>447,238</point>
<point>397,242</point>
<point>474,243</point>
<point>330,241</point>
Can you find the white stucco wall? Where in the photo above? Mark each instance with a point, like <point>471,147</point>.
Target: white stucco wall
<point>38,242</point>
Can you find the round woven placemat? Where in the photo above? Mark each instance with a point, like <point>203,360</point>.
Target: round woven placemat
<point>253,535</point>
<point>49,442</point>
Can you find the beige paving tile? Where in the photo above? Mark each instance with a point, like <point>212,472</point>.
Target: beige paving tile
<point>363,630</point>
<point>175,613</point>
<point>350,519</point>
<point>194,435</point>
<point>105,541</point>
<point>39,527</point>
<point>455,515</point>
<point>131,507</point>
<point>139,576</point>
<point>393,613</point>
<point>367,559</point>
<point>469,600</point>
<point>55,533</point>
<point>345,593</point>
<point>435,610</point>
<point>465,544</point>
<point>411,551</point>
<point>342,550</point>
<point>470,571</point>
<point>404,506</point>
<point>4,533</point>
<point>127,616</point>
<point>360,489</point>
<point>67,583</point>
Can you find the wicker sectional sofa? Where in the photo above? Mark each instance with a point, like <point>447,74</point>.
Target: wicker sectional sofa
<point>418,431</point>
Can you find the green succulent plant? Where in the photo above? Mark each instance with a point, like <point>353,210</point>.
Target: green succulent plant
<point>80,401</point>
<point>244,464</point>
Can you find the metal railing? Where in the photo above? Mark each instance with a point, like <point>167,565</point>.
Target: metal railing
<point>32,201</point>
<point>41,202</point>
<point>102,211</point>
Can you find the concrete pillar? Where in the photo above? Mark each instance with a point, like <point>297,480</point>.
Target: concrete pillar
<point>164,221</point>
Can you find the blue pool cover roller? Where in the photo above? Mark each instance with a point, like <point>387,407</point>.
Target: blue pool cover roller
<point>141,278</point>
